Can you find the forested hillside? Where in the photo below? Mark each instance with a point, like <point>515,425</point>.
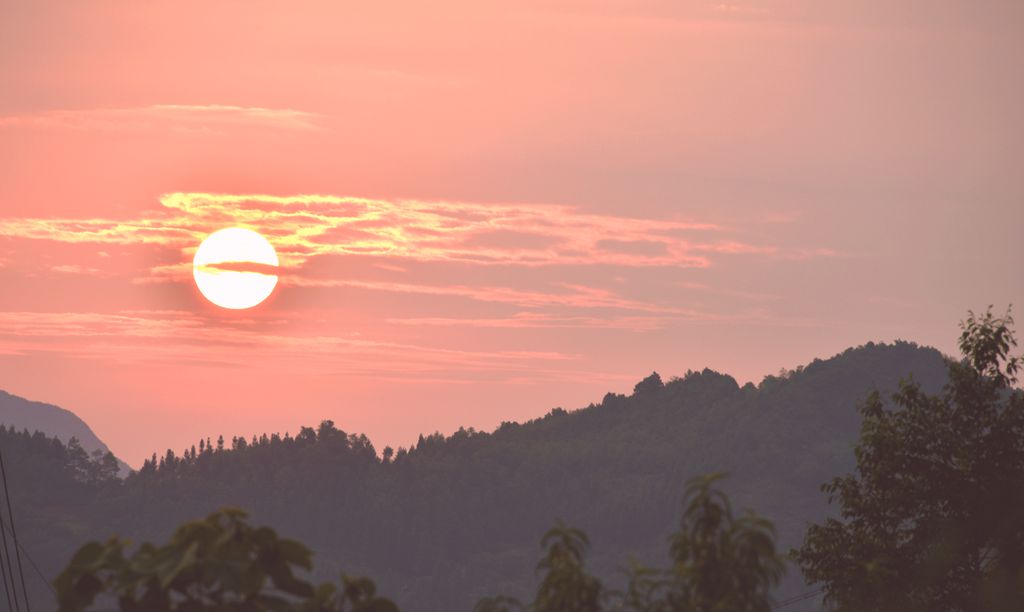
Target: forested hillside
<point>457,518</point>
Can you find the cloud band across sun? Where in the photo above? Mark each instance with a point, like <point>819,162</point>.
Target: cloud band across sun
<point>445,290</point>
<point>305,226</point>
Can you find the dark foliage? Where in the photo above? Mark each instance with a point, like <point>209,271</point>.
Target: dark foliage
<point>931,518</point>
<point>220,563</point>
<point>718,563</point>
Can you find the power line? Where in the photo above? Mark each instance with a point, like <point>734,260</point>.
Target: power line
<point>7,567</point>
<point>792,600</point>
<point>14,536</point>
<point>39,572</point>
<point>3,570</point>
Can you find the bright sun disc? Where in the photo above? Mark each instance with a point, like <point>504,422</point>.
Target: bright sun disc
<point>234,268</point>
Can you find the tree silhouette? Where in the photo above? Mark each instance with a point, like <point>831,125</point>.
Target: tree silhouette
<point>721,562</point>
<point>650,385</point>
<point>566,587</point>
<point>931,518</point>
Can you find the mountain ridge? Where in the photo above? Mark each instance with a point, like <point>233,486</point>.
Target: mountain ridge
<point>53,420</point>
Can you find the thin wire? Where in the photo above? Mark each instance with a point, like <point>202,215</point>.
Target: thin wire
<point>32,562</point>
<point>8,570</point>
<point>797,599</point>
<point>3,570</point>
<point>14,535</point>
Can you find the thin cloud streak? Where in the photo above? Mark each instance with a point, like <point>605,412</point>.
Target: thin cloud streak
<point>536,320</point>
<point>578,296</point>
<point>637,323</point>
<point>184,117</point>
<point>161,335</point>
<point>77,269</point>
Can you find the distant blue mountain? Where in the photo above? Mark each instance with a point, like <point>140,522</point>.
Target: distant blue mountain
<point>54,421</point>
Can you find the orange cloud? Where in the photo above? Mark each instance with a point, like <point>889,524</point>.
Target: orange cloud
<point>302,227</point>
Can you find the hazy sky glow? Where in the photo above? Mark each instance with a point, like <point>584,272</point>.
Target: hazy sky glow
<point>484,212</point>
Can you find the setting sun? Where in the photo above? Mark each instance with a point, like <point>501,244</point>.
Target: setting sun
<point>231,268</point>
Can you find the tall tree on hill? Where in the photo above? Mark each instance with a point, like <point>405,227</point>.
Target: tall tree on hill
<point>566,586</point>
<point>720,562</point>
<point>931,518</point>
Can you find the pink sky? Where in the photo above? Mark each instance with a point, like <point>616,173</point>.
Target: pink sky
<point>486,210</point>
